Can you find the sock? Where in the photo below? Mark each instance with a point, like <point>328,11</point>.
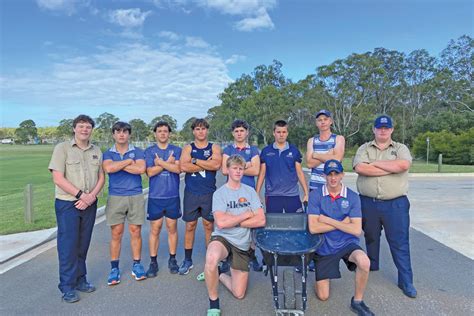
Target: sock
<point>114,264</point>
<point>172,256</point>
<point>153,259</point>
<point>214,303</point>
<point>356,301</point>
<point>136,261</point>
<point>188,253</point>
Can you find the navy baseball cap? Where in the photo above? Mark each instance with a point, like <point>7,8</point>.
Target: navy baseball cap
<point>323,112</point>
<point>383,121</point>
<point>332,165</point>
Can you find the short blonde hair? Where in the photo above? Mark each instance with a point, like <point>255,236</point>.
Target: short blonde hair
<point>235,160</point>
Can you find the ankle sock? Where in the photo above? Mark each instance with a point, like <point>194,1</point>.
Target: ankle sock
<point>153,259</point>
<point>172,256</point>
<point>136,261</point>
<point>214,303</point>
<point>188,253</point>
<point>114,264</point>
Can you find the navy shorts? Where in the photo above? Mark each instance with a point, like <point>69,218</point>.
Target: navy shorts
<point>196,206</point>
<point>283,204</point>
<point>327,267</point>
<point>170,208</point>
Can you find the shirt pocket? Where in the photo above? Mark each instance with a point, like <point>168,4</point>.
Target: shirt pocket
<point>94,165</point>
<point>73,165</point>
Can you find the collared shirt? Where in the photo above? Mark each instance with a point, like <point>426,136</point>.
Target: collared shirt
<point>382,187</point>
<point>165,184</point>
<point>247,152</point>
<point>123,183</point>
<point>81,167</point>
<point>281,178</point>
<point>346,204</point>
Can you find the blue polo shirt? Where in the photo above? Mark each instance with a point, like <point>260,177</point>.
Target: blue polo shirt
<point>123,183</point>
<point>280,176</point>
<point>165,184</point>
<point>248,152</point>
<point>338,208</point>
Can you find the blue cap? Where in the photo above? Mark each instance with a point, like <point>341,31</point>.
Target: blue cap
<point>323,112</point>
<point>383,121</point>
<point>332,165</point>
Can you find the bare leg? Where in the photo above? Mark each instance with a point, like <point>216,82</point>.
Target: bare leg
<point>136,240</point>
<point>322,289</point>
<point>362,272</point>
<point>208,227</point>
<point>154,239</point>
<point>189,234</point>
<point>215,253</point>
<point>116,241</point>
<point>236,283</point>
<point>171,226</point>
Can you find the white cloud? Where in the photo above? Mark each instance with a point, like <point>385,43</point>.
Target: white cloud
<point>196,42</point>
<point>128,17</point>
<point>234,59</point>
<point>128,80</point>
<point>169,35</point>
<point>237,7</point>
<point>260,21</point>
<point>68,7</point>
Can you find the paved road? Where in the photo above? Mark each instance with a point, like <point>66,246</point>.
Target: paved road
<point>444,279</point>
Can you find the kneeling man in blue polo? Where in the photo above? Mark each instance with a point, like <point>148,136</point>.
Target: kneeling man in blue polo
<point>281,170</point>
<point>334,210</point>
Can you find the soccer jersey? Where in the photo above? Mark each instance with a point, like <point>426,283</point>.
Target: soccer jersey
<point>123,183</point>
<point>346,204</point>
<point>280,177</point>
<point>247,153</point>
<point>165,184</point>
<point>204,182</point>
<point>320,147</point>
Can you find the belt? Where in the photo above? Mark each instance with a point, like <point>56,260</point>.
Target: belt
<point>375,200</point>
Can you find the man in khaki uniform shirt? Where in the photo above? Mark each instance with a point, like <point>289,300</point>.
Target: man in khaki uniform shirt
<point>76,166</point>
<point>382,166</point>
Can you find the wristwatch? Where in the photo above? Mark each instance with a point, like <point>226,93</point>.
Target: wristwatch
<point>78,195</point>
<point>193,161</point>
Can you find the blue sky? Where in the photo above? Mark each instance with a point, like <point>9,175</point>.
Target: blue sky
<point>144,58</point>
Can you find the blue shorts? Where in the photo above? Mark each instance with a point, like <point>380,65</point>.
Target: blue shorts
<point>283,204</point>
<point>327,267</point>
<point>196,206</point>
<point>170,208</point>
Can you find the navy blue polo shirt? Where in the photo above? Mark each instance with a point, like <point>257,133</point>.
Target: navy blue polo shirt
<point>123,183</point>
<point>280,176</point>
<point>248,152</point>
<point>338,208</point>
<point>165,184</point>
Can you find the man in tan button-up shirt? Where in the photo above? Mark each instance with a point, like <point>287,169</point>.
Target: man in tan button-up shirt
<point>76,166</point>
<point>382,166</point>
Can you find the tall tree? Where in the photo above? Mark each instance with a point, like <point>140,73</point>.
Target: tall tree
<point>186,132</point>
<point>165,118</point>
<point>64,130</point>
<point>140,130</point>
<point>104,123</point>
<point>26,131</point>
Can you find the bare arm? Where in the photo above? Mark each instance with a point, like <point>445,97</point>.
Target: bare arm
<point>311,162</point>
<point>138,167</point>
<point>63,183</point>
<point>111,166</point>
<point>316,227</point>
<point>252,168</point>
<point>336,153</point>
<point>185,161</point>
<point>392,166</point>
<point>261,178</point>
<point>258,220</point>
<point>369,170</point>
<point>353,228</point>
<point>302,180</point>
<point>156,168</point>
<point>214,162</point>
<point>226,220</point>
<point>224,169</point>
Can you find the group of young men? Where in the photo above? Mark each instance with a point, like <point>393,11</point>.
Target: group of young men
<point>230,212</point>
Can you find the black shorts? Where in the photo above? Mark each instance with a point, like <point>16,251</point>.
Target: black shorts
<point>327,267</point>
<point>195,206</point>
<point>238,258</point>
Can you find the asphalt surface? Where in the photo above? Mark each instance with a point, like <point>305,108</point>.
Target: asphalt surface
<point>443,277</point>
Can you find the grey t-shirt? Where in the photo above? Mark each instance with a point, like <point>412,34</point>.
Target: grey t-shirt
<point>235,202</point>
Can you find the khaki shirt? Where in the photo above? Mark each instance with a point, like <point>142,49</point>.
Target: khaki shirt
<point>81,167</point>
<point>382,187</point>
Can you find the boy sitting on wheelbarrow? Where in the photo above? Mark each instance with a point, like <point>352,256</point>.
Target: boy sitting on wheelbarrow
<point>236,209</point>
<point>335,211</point>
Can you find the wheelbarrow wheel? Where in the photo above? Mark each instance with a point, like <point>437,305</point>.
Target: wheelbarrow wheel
<point>289,289</point>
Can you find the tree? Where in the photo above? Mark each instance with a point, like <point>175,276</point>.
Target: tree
<point>165,118</point>
<point>64,130</point>
<point>104,123</point>
<point>140,130</point>
<point>186,132</point>
<point>26,131</point>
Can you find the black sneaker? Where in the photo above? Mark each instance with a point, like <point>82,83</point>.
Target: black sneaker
<point>84,286</point>
<point>408,289</point>
<point>360,308</point>
<point>225,266</point>
<point>173,266</point>
<point>311,266</point>
<point>257,267</point>
<point>152,270</point>
<point>70,297</point>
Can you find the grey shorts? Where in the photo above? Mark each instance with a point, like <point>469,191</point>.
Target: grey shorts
<point>130,207</point>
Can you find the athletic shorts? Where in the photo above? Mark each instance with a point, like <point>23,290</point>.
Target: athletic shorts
<point>239,259</point>
<point>327,267</point>
<point>195,206</point>
<point>120,207</point>
<point>283,204</point>
<point>157,208</point>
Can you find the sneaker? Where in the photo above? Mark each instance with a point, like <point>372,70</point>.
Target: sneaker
<point>311,266</point>
<point>186,266</point>
<point>114,277</point>
<point>224,266</point>
<point>298,269</point>
<point>152,270</point>
<point>84,286</point>
<point>138,272</point>
<point>173,266</point>
<point>408,289</point>
<point>71,297</point>
<point>360,308</point>
<point>255,265</point>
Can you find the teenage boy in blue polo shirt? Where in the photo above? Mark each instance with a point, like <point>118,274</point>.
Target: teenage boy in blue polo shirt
<point>281,169</point>
<point>240,132</point>
<point>163,169</point>
<point>125,163</point>
<point>335,212</point>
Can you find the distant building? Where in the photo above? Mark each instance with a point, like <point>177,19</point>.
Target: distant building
<point>8,141</point>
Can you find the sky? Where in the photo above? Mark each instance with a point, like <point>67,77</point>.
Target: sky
<point>146,58</point>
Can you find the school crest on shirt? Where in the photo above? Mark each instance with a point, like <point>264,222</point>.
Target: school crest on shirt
<point>290,155</point>
<point>132,155</point>
<point>247,151</point>
<point>207,153</point>
<point>344,203</point>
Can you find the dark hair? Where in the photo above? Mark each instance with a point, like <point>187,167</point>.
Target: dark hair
<point>200,123</point>
<point>122,126</point>
<point>240,123</point>
<point>280,123</point>
<point>160,124</point>
<point>84,119</point>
